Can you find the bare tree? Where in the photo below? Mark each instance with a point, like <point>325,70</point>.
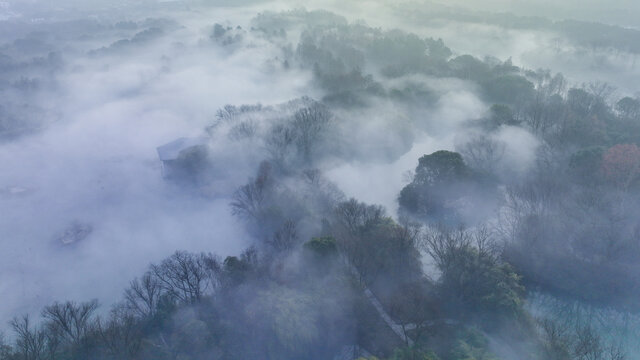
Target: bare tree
<point>227,113</point>
<point>588,344</point>
<point>555,340</point>
<point>249,200</point>
<point>309,123</point>
<point>73,321</point>
<point>187,277</point>
<point>31,343</point>
<point>6,350</point>
<point>143,295</point>
<point>280,143</point>
<point>121,334</point>
<point>352,221</point>
<point>483,153</point>
<point>243,130</point>
<point>443,244</point>
<point>285,238</point>
<point>562,341</point>
<point>353,216</point>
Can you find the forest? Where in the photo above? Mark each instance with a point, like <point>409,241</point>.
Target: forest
<point>194,180</point>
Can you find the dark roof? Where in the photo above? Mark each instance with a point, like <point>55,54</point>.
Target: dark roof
<point>172,150</point>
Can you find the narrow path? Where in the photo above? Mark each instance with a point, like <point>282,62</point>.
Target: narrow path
<point>397,328</point>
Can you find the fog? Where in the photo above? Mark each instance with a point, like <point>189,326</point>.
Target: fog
<point>89,90</point>
<point>95,163</point>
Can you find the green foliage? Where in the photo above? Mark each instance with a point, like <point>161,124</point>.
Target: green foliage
<point>501,115</point>
<point>440,178</point>
<point>629,108</point>
<point>441,167</point>
<point>483,284</point>
<point>375,244</point>
<point>238,270</point>
<point>411,353</point>
<point>509,89</point>
<point>474,282</point>
<point>322,246</point>
<point>469,68</point>
<point>471,345</point>
<point>585,164</point>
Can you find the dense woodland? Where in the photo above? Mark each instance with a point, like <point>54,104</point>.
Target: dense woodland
<point>455,273</point>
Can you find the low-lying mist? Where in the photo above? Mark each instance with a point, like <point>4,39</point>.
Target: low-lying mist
<point>464,176</point>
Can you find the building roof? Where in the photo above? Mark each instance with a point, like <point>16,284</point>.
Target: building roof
<point>172,150</point>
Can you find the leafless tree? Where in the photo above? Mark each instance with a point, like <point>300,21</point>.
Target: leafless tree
<point>352,220</point>
<point>5,349</point>
<point>588,344</point>
<point>483,153</point>
<point>554,339</point>
<point>244,130</point>
<point>353,216</point>
<point>542,111</point>
<point>280,143</point>
<point>73,321</point>
<point>443,244</point>
<point>227,113</point>
<point>121,334</point>
<point>601,91</point>
<point>31,343</point>
<point>563,341</point>
<point>143,295</point>
<point>249,200</point>
<point>285,238</point>
<point>187,277</point>
<point>308,124</point>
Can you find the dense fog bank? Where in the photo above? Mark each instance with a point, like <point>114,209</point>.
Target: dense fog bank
<point>273,179</point>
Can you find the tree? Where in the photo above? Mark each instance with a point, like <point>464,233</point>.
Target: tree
<point>585,165</point>
<point>354,218</point>
<point>288,321</point>
<point>187,277</point>
<point>250,200</point>
<point>352,221</point>
<point>501,114</point>
<point>280,144</point>
<point>285,238</point>
<point>236,270</point>
<point>483,154</point>
<point>6,351</point>
<point>509,89</point>
<point>471,344</point>
<point>621,165</point>
<point>629,108</point>
<point>31,344</point>
<point>142,296</point>
<point>308,125</point>
<point>415,308</point>
<point>473,280</point>
<point>322,247</point>
<point>555,340</point>
<point>410,353</point>
<point>440,179</point>
<point>469,68</point>
<point>74,322</point>
<point>441,167</point>
<point>576,342</point>
<point>382,252</point>
<point>218,31</point>
<point>121,335</point>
